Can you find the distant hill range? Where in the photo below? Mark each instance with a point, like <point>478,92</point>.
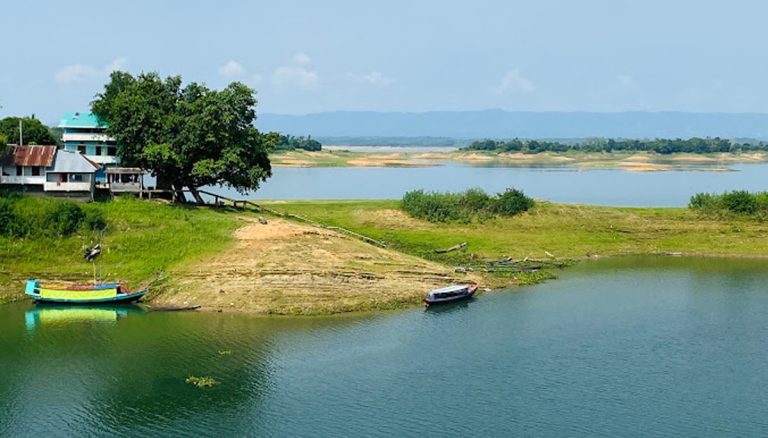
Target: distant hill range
<point>464,125</point>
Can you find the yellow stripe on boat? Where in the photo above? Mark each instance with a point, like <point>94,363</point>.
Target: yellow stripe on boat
<point>78,294</point>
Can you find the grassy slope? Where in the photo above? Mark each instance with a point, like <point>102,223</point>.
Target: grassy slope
<point>143,240</point>
<point>567,231</point>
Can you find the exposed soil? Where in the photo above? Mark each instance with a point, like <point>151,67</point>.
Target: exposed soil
<point>289,268</point>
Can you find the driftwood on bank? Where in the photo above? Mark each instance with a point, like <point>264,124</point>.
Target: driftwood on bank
<point>173,308</point>
<point>453,248</point>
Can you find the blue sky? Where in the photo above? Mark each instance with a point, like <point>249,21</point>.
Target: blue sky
<point>393,55</point>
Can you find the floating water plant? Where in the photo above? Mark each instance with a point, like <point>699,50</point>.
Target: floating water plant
<point>202,382</point>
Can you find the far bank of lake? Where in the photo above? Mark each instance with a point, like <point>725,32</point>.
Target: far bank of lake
<point>562,184</point>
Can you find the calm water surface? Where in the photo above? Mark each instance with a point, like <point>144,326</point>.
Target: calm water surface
<point>638,346</point>
<point>563,184</point>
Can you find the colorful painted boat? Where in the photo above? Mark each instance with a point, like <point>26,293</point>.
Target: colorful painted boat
<point>450,294</point>
<point>102,293</point>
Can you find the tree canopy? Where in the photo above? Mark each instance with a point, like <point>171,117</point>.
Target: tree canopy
<point>597,144</point>
<point>289,143</point>
<point>33,130</point>
<point>190,136</point>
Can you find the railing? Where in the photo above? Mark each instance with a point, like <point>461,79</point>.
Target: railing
<point>67,187</point>
<point>24,179</point>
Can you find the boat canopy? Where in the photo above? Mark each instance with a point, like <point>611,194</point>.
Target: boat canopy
<point>453,288</point>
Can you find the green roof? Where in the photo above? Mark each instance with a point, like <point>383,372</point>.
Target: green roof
<point>81,120</point>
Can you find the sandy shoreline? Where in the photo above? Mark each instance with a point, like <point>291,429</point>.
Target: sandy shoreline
<point>403,157</point>
<point>290,268</point>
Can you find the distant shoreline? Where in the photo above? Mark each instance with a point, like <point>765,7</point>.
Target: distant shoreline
<point>403,156</point>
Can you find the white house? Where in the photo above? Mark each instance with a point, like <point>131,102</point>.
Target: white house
<point>26,166</point>
<point>46,169</point>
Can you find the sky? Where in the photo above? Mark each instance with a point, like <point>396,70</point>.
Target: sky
<point>394,55</point>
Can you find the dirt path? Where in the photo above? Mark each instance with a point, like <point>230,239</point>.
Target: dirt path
<point>289,268</point>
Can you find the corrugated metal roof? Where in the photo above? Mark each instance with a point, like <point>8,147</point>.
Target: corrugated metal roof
<point>29,156</point>
<point>73,162</point>
<point>81,120</point>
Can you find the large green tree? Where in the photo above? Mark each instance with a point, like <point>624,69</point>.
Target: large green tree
<point>190,136</point>
<point>33,130</point>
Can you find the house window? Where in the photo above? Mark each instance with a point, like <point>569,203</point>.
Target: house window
<point>81,148</point>
<point>19,171</point>
<point>98,150</point>
<point>111,151</point>
<point>36,171</point>
<point>75,177</point>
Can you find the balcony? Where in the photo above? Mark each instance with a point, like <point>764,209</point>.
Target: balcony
<point>30,180</point>
<point>103,159</point>
<point>85,136</point>
<point>67,186</point>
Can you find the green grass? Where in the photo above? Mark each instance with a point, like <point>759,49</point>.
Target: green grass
<point>566,231</point>
<point>143,241</point>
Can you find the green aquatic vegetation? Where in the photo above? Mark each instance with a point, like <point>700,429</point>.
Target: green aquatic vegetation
<point>225,352</point>
<point>202,382</point>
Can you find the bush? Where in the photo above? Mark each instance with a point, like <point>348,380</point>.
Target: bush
<point>11,224</point>
<point>94,220</point>
<point>63,219</point>
<point>512,202</point>
<point>465,206</point>
<point>740,202</point>
<point>702,201</point>
<point>35,217</point>
<point>736,202</point>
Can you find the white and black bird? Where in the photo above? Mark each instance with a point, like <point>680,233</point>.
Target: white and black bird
<point>90,254</point>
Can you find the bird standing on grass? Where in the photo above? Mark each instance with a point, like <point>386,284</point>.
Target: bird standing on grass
<point>91,253</point>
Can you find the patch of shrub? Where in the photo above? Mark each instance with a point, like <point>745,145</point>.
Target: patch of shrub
<point>11,224</point>
<point>94,220</point>
<point>465,206</point>
<point>736,202</point>
<point>29,216</point>
<point>63,219</point>
<point>512,202</point>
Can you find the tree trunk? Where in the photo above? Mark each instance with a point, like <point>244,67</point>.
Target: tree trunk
<point>195,194</point>
<point>178,194</point>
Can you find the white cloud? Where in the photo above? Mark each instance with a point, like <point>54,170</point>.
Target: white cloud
<point>80,73</point>
<point>231,69</point>
<point>375,78</point>
<point>514,82</point>
<point>117,64</point>
<point>289,76</point>
<point>627,81</point>
<point>75,73</point>
<point>301,59</point>
<point>257,79</point>
<point>296,75</point>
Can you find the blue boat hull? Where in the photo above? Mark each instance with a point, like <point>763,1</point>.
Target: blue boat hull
<point>117,299</point>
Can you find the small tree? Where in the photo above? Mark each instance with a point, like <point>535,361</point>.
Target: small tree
<point>34,131</point>
<point>3,145</point>
<point>190,136</point>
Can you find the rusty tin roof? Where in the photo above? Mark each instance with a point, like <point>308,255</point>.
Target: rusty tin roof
<point>29,156</point>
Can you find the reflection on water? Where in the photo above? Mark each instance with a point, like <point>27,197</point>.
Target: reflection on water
<point>628,346</point>
<point>46,314</point>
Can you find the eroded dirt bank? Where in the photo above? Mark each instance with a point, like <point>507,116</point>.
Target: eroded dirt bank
<point>289,268</point>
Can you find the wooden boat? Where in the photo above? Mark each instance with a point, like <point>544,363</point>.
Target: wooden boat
<point>102,293</point>
<point>450,294</point>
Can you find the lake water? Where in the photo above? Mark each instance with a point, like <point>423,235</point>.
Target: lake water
<point>559,184</point>
<point>631,346</point>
